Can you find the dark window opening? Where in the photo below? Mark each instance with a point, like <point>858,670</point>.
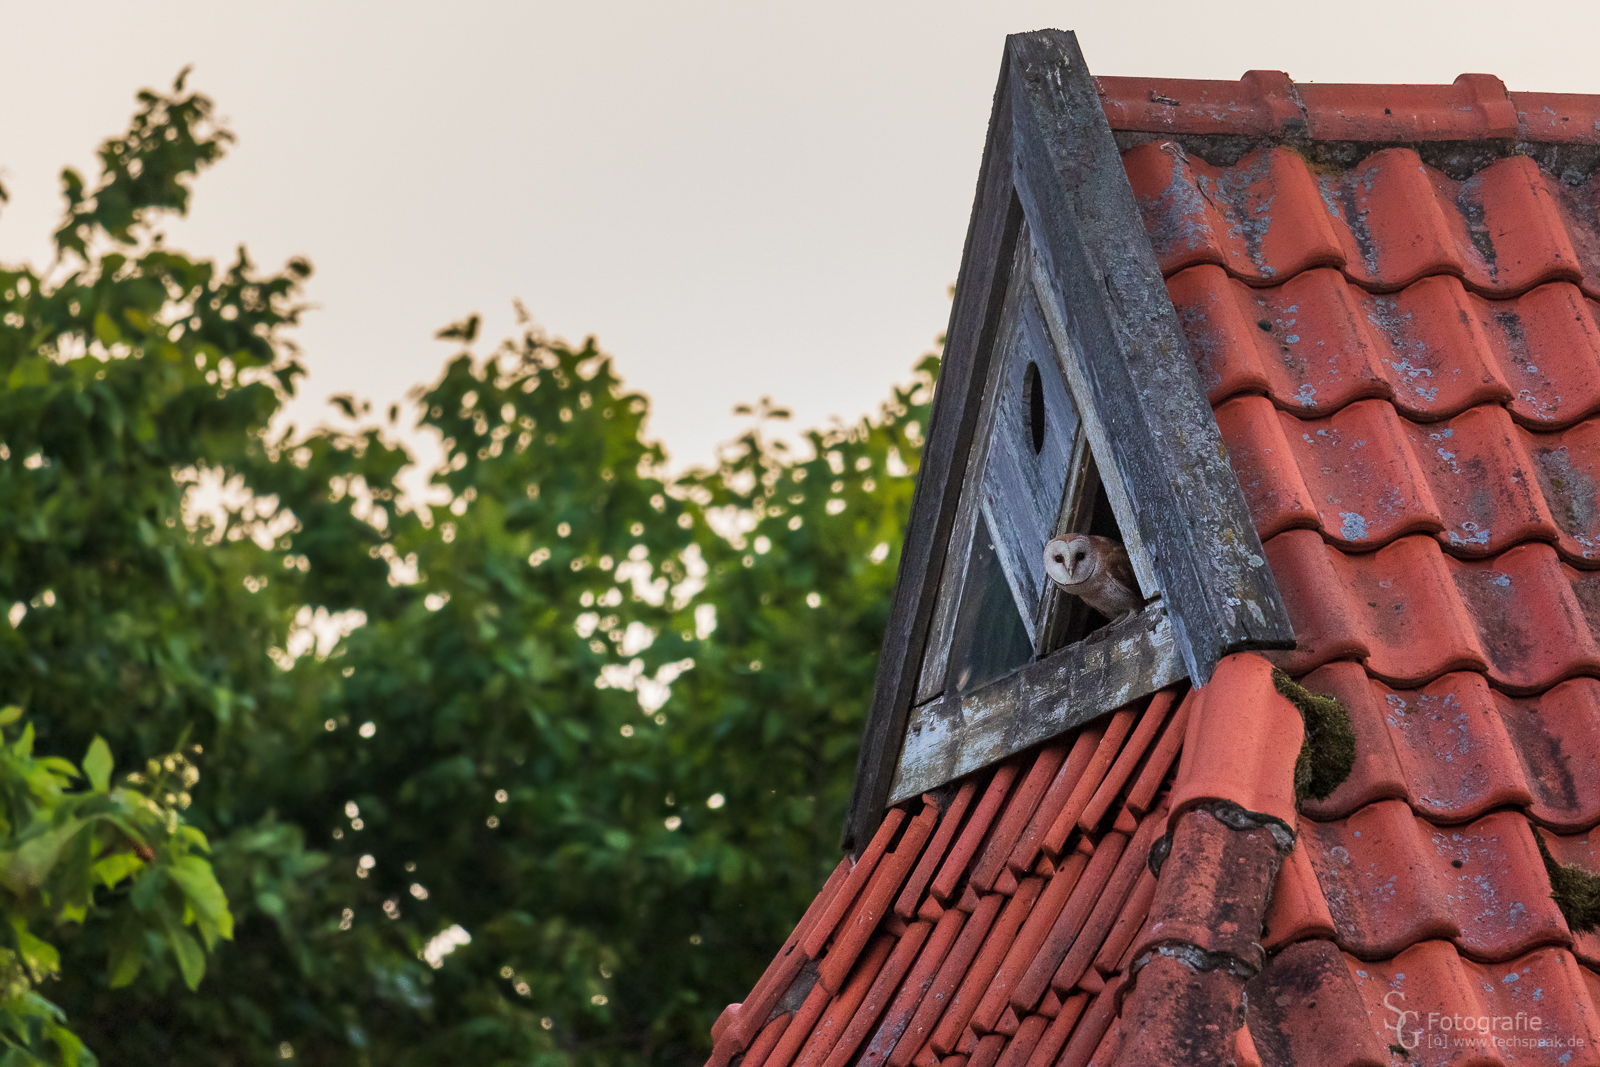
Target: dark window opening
<point>989,639</point>
<point>1033,411</point>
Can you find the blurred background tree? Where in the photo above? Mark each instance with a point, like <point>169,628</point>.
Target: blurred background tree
<point>539,771</point>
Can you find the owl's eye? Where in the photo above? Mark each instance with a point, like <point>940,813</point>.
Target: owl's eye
<point>1058,557</point>
<point>1078,557</point>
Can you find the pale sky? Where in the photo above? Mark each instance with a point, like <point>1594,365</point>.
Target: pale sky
<point>737,199</point>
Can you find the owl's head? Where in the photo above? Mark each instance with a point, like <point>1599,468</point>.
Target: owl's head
<point>1071,561</point>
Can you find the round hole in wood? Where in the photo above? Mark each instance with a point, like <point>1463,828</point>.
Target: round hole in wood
<point>1033,406</point>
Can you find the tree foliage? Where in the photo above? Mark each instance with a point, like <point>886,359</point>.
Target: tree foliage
<point>536,772</point>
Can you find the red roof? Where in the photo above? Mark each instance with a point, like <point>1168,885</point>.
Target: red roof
<point>1400,343</point>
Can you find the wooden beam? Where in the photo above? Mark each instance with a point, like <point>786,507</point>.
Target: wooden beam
<point>1108,308</point>
<point>980,291</point>
<point>961,733</point>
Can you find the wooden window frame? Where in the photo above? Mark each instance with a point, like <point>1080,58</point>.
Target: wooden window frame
<point>1050,160</point>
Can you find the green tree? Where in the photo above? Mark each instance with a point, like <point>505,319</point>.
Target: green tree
<point>538,772</point>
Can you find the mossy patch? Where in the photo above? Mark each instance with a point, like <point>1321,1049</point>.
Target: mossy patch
<point>1575,891</point>
<point>1329,750</point>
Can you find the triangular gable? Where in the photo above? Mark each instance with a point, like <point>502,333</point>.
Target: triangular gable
<point>1057,274</point>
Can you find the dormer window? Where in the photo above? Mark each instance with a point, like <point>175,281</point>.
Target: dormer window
<point>1067,404</point>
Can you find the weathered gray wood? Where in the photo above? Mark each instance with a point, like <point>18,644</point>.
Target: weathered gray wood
<point>1105,300</point>
<point>953,580</point>
<point>1021,490</point>
<point>958,734</point>
<point>980,288</point>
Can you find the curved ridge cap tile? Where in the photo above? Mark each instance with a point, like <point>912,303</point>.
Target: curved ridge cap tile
<point>1304,1008</point>
<point>1456,756</point>
<point>1558,118</point>
<point>1398,607</point>
<point>1213,889</point>
<point>1175,1015</point>
<point>1262,103</point>
<point>1432,977</point>
<point>1554,734</point>
<point>1392,880</point>
<point>1473,107</point>
<point>1242,742</point>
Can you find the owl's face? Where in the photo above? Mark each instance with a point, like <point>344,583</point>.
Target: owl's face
<point>1071,561</point>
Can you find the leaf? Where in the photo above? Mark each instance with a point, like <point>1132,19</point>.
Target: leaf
<point>190,956</point>
<point>97,764</point>
<point>117,866</point>
<point>10,714</point>
<point>30,864</point>
<point>199,884</point>
<point>126,952</point>
<point>40,956</point>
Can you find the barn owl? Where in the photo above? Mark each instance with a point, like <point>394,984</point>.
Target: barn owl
<point>1095,569</point>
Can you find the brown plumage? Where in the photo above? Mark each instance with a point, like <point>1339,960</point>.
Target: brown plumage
<point>1095,569</point>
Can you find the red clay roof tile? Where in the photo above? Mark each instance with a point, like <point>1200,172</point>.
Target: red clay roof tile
<point>1105,754</point>
<point>805,1022</point>
<point>1092,1027</point>
<point>1392,880</point>
<point>1019,809</point>
<point>1266,103</point>
<point>1297,910</point>
<point>944,885</point>
<point>1138,743</point>
<point>1305,1010</point>
<point>859,873</point>
<point>1020,1048</point>
<point>1554,735</point>
<point>1439,984</point>
<point>820,1043</point>
<point>1055,1035</point>
<point>879,995</point>
<point>1129,922</point>
<point>1092,937</point>
<point>761,1048</point>
<point>1242,742</point>
<point>886,1039</point>
<point>1056,797</point>
<point>1029,987</point>
<point>1176,1016</point>
<point>989,958</point>
<point>873,903</point>
<point>1578,850</point>
<point>1213,889</point>
<point>1025,945</point>
<point>957,963</point>
<point>949,823</point>
<point>1398,608</point>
